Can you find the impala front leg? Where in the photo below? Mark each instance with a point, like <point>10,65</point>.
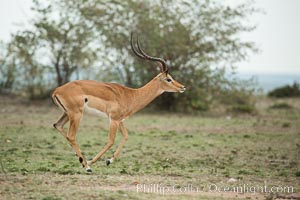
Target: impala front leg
<point>124,139</point>
<point>111,139</point>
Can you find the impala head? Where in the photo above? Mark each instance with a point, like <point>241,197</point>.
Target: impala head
<point>167,83</point>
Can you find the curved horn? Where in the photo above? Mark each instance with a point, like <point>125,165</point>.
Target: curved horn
<point>134,50</point>
<point>162,62</point>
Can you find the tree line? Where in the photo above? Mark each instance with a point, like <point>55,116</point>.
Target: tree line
<point>89,39</point>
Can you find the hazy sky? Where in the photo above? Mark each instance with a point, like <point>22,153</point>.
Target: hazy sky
<point>277,35</point>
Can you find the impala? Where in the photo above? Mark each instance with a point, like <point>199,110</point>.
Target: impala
<point>111,100</point>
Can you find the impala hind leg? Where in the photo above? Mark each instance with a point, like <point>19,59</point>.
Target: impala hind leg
<point>124,139</point>
<point>111,139</point>
<point>71,137</point>
<point>59,125</point>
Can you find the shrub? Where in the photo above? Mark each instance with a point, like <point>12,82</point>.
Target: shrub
<point>243,108</point>
<point>286,91</point>
<point>281,106</point>
<point>240,97</point>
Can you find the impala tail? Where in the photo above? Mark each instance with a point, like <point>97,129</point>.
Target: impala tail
<point>58,102</point>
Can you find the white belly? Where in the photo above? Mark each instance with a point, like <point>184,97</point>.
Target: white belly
<point>94,111</point>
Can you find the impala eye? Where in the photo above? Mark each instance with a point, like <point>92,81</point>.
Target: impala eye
<point>169,80</point>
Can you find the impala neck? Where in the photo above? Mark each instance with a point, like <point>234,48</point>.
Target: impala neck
<point>144,95</point>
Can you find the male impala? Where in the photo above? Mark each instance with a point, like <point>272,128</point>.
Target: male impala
<point>111,100</point>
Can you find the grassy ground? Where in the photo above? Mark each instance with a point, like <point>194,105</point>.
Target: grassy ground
<point>166,156</point>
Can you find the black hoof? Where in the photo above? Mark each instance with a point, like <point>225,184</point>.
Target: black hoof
<point>89,170</point>
<point>108,162</point>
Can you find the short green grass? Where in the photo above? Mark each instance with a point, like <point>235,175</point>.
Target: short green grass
<point>169,149</point>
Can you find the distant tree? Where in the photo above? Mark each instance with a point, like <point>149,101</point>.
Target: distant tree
<point>7,69</point>
<point>199,39</point>
<point>57,42</point>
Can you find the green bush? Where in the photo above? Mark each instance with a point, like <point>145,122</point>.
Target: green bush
<point>286,91</point>
<point>243,108</point>
<point>280,106</point>
<point>240,97</point>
